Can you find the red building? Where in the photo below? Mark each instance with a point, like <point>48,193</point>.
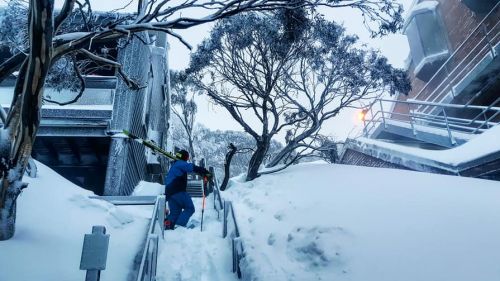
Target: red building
<point>454,48</point>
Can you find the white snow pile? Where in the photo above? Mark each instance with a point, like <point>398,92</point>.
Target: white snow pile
<point>52,217</point>
<point>338,222</point>
<point>145,188</point>
<point>481,145</point>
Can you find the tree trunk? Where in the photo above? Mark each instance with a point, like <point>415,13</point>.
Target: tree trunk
<point>8,211</point>
<point>282,154</point>
<point>227,166</point>
<point>191,147</point>
<point>257,159</point>
<point>18,133</point>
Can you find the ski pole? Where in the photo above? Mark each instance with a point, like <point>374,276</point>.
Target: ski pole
<point>205,180</point>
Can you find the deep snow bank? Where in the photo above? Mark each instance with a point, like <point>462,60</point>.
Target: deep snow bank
<point>337,222</point>
<point>53,216</point>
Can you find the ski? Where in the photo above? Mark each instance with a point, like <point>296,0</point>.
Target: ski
<point>150,144</point>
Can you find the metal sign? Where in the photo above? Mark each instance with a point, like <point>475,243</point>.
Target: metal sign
<point>95,249</point>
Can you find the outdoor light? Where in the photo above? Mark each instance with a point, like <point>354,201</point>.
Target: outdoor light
<point>362,114</point>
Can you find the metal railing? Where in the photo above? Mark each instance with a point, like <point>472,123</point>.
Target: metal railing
<point>218,202</point>
<point>147,269</point>
<point>231,231</point>
<point>463,60</point>
<point>481,117</point>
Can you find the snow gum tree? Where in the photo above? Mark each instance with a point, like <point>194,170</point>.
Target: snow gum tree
<point>287,72</point>
<point>49,38</point>
<point>184,106</point>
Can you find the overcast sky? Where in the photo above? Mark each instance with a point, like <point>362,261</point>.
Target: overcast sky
<point>394,47</point>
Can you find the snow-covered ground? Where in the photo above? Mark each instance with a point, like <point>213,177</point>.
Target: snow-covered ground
<point>53,217</point>
<point>312,221</point>
<point>189,254</point>
<point>336,222</point>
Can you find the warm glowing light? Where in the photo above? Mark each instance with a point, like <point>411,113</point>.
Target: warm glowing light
<point>362,115</point>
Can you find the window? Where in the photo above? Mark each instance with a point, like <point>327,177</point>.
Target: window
<point>427,39</point>
<point>480,6</point>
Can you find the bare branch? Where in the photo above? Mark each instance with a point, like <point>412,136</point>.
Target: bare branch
<point>80,92</point>
<point>63,14</point>
<point>128,81</point>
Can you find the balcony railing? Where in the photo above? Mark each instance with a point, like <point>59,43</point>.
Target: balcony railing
<point>477,46</point>
<point>482,117</point>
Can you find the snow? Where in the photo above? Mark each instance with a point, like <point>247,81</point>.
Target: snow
<point>71,36</point>
<point>52,217</point>
<point>145,188</point>
<point>432,58</point>
<point>80,106</point>
<point>479,146</point>
<point>189,254</point>
<point>312,221</point>
<point>338,222</point>
<point>422,7</point>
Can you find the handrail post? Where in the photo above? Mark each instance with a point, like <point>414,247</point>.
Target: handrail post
<point>488,40</point>
<point>383,114</point>
<point>410,115</point>
<point>452,140</point>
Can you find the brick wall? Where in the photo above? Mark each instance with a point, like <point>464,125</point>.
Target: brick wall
<point>459,22</point>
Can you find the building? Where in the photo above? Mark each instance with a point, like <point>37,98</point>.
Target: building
<point>454,67</point>
<point>80,140</point>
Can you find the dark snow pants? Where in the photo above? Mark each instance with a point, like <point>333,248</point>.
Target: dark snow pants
<point>181,208</point>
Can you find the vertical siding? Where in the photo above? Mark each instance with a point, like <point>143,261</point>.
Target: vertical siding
<point>128,160</point>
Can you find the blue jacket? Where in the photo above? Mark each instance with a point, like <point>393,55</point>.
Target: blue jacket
<point>176,179</point>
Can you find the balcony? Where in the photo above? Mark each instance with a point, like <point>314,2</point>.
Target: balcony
<point>427,39</point>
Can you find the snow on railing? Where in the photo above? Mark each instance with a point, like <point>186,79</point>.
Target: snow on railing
<point>484,117</point>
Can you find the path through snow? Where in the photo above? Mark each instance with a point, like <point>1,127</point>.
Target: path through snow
<point>189,254</point>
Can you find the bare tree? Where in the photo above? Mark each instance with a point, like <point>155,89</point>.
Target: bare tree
<point>184,106</point>
<point>49,42</point>
<point>327,80</point>
<point>251,66</point>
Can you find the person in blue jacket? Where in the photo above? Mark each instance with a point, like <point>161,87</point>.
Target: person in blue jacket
<point>179,202</point>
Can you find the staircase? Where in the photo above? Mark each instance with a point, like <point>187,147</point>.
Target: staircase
<point>195,187</point>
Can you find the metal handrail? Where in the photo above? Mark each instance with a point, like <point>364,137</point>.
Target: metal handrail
<point>218,202</point>
<point>444,67</point>
<point>483,120</point>
<point>147,269</point>
<point>231,230</point>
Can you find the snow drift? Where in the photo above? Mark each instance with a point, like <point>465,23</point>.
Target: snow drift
<point>52,217</point>
<point>338,222</point>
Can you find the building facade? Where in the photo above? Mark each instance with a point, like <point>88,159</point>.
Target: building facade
<point>81,141</point>
<point>454,68</point>
<point>454,47</point>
